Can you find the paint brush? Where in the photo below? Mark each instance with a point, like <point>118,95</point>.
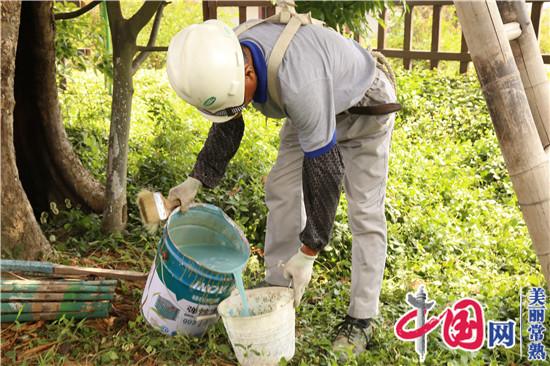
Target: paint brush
<point>154,208</point>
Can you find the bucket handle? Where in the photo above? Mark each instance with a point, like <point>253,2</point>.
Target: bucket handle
<point>206,317</point>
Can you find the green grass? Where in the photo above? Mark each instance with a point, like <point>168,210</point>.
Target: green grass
<point>453,224</point>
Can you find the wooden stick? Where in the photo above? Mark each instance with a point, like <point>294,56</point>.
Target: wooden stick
<point>9,265</point>
<point>39,296</point>
<point>407,40</point>
<point>53,307</point>
<point>108,273</point>
<point>58,287</point>
<point>26,317</point>
<point>515,128</point>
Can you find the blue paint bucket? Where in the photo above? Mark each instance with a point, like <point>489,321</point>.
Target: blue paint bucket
<point>193,270</point>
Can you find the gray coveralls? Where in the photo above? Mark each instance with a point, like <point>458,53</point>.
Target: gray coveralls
<point>364,142</point>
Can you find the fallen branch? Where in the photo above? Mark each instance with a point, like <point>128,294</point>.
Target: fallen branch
<point>33,351</point>
<point>10,265</point>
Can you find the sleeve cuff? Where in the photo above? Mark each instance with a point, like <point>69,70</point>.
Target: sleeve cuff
<point>322,150</point>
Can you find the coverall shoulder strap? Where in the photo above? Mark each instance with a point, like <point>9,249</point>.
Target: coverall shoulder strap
<point>276,58</point>
<point>281,18</point>
<point>293,22</point>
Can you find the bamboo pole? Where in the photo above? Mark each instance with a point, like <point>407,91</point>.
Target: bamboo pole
<point>53,307</point>
<point>12,265</point>
<point>531,66</point>
<point>67,296</point>
<point>57,287</point>
<point>27,317</point>
<point>58,282</point>
<point>515,128</point>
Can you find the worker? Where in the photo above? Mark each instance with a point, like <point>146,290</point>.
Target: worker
<point>323,145</point>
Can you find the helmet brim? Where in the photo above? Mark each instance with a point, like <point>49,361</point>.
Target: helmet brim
<point>218,119</point>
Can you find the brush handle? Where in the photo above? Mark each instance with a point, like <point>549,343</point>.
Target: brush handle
<point>171,204</point>
<point>164,205</point>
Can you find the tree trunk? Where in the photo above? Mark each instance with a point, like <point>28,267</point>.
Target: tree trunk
<point>21,235</point>
<point>115,214</point>
<point>124,34</point>
<point>49,168</point>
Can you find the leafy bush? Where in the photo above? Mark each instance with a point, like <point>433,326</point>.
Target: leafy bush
<point>80,43</point>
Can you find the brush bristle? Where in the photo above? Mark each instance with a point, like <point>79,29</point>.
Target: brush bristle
<point>148,210</point>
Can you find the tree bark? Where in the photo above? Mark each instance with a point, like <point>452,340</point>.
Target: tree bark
<point>124,35</point>
<point>115,214</point>
<point>21,234</point>
<point>49,168</point>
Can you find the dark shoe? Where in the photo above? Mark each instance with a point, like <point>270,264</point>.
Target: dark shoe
<point>352,336</point>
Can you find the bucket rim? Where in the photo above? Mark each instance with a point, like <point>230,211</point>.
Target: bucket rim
<point>191,264</point>
<point>259,316</point>
<point>227,218</point>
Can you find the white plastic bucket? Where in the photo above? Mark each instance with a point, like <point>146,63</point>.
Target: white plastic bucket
<point>268,334</point>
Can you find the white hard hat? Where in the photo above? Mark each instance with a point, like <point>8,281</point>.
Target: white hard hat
<point>205,67</point>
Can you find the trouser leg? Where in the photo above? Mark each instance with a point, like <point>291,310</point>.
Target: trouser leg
<point>365,142</point>
<point>283,197</point>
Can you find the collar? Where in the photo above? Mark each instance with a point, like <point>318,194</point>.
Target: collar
<point>260,67</point>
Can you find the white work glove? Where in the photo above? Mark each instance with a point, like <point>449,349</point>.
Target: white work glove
<point>299,268</point>
<point>185,192</point>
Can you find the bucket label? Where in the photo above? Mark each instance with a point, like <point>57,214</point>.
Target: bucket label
<point>208,288</point>
<point>199,290</point>
<point>166,309</point>
<point>164,312</point>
